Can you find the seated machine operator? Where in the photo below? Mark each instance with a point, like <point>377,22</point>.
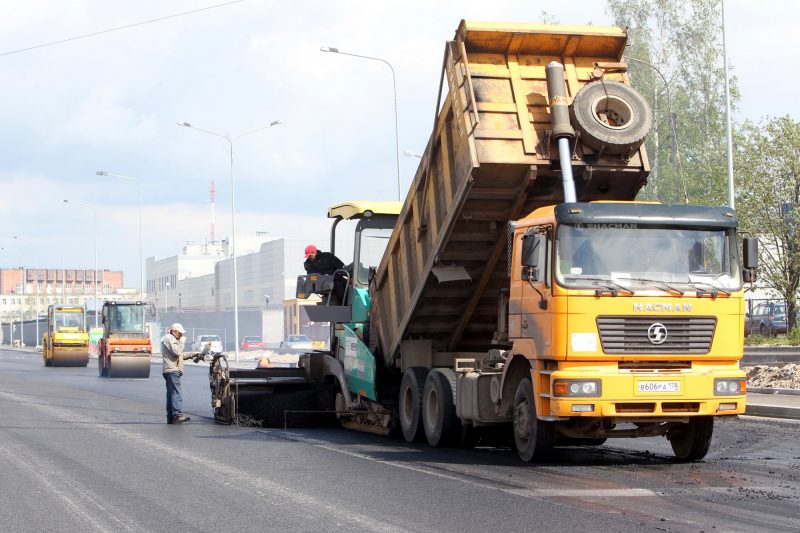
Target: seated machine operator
<point>318,262</point>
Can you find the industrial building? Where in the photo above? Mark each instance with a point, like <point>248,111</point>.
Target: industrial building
<point>26,292</point>
<point>195,286</point>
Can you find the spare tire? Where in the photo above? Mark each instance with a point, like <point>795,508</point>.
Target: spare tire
<point>612,118</point>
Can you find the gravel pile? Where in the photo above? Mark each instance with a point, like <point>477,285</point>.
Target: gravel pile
<point>778,377</point>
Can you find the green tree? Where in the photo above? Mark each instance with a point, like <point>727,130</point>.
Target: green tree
<point>683,41</point>
<point>767,161</point>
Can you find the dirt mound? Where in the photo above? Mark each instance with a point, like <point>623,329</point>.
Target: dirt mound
<point>778,377</point>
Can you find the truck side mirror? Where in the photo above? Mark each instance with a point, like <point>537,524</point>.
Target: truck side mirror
<point>530,247</point>
<point>749,259</point>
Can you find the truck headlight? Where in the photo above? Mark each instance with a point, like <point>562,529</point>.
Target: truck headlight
<point>729,387</point>
<point>577,387</point>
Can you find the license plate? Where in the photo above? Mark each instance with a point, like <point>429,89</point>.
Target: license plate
<point>658,386</point>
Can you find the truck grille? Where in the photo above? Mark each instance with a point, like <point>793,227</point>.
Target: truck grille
<point>626,334</point>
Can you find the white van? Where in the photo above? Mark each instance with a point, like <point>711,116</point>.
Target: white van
<point>201,340</point>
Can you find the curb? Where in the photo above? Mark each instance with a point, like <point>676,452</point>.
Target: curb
<point>772,411</point>
<point>768,390</point>
<point>748,350</point>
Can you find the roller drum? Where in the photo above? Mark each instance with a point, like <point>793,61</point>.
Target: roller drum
<point>129,366</point>
<point>70,356</point>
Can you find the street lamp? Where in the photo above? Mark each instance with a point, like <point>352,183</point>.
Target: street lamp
<point>166,298</point>
<point>230,140</point>
<point>731,192</point>
<point>409,153</point>
<point>141,255</point>
<point>334,50</point>
<point>672,126</point>
<point>94,212</point>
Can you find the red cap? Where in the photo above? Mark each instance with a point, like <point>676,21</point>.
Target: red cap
<point>310,249</point>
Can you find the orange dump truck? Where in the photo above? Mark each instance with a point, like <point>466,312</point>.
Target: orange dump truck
<point>520,288</point>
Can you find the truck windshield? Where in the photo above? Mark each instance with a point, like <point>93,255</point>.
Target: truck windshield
<point>68,321</point>
<point>372,245</point>
<point>647,257</point>
<point>127,318</point>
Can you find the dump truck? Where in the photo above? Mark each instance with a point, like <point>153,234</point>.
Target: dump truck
<point>66,341</point>
<point>520,289</point>
<point>124,349</point>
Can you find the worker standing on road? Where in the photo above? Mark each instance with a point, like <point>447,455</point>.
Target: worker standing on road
<point>172,351</point>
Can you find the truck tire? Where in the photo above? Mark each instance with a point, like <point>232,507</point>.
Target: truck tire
<point>410,403</point>
<point>439,408</point>
<point>691,441</point>
<point>534,439</point>
<point>611,117</point>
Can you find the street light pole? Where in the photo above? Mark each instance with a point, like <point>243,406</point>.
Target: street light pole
<point>230,140</point>
<point>141,254</point>
<point>731,192</point>
<point>94,212</point>
<point>333,50</point>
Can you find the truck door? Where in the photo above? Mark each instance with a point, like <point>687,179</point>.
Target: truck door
<point>536,320</point>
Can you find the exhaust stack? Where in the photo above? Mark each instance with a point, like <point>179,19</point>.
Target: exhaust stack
<point>561,127</point>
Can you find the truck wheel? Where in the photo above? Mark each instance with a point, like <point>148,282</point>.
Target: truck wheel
<point>534,438</point>
<point>410,403</point>
<point>611,116</point>
<point>691,441</point>
<point>439,408</point>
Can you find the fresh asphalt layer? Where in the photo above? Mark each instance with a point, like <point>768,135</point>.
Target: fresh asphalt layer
<point>84,453</point>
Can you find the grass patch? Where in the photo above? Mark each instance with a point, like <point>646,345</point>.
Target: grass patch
<point>792,339</point>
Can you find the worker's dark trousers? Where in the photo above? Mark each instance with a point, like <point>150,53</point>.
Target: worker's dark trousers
<point>174,402</point>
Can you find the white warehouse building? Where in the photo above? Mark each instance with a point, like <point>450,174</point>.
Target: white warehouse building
<point>200,279</point>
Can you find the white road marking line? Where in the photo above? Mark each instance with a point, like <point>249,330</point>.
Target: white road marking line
<point>74,500</point>
<point>232,477</point>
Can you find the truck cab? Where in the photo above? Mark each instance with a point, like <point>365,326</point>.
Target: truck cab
<point>618,309</point>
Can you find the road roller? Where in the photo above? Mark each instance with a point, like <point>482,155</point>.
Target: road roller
<point>66,341</point>
<point>124,349</point>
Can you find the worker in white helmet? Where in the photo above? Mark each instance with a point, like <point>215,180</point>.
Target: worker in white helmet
<point>173,355</point>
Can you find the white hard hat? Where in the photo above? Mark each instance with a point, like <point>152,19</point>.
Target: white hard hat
<point>177,327</point>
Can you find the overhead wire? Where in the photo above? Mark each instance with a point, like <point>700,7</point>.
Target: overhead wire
<point>127,26</point>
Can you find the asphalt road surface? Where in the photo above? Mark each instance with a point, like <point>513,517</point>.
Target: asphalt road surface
<point>84,453</point>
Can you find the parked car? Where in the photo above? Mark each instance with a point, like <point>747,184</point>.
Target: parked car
<point>296,343</point>
<point>200,342</point>
<point>252,343</point>
<point>767,318</point>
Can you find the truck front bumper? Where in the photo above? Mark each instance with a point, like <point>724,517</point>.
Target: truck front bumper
<point>636,396</point>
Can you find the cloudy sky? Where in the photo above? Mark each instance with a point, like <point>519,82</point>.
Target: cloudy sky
<point>111,102</point>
